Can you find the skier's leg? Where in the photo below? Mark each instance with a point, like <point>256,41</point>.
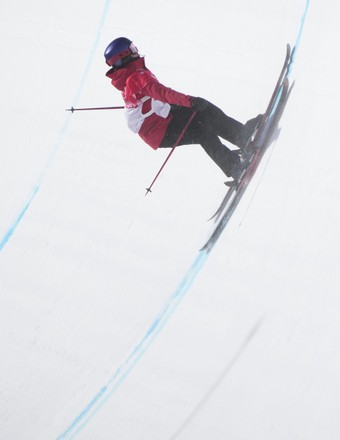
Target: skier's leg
<point>180,117</point>
<point>212,117</point>
<point>201,132</point>
<point>228,128</point>
<point>222,124</point>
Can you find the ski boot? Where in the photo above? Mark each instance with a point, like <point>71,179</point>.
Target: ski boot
<point>247,132</point>
<point>235,167</point>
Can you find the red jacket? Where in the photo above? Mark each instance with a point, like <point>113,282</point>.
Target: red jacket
<point>147,101</point>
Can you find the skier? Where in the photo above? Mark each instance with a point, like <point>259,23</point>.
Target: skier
<point>159,114</point>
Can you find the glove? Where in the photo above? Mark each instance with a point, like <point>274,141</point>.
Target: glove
<point>198,104</point>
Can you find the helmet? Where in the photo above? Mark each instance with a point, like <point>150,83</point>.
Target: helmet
<point>120,52</point>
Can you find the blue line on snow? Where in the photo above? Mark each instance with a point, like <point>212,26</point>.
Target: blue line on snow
<point>302,25</point>
<point>61,135</point>
<point>298,39</point>
<point>12,228</point>
<point>137,352</point>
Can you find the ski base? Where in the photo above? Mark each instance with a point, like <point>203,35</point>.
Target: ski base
<point>266,132</point>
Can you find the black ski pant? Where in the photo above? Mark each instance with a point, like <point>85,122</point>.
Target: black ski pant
<point>205,129</point>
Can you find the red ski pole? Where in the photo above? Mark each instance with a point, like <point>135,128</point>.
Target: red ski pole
<point>172,150</point>
<point>72,109</point>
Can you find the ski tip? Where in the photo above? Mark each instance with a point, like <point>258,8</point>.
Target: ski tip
<point>205,248</point>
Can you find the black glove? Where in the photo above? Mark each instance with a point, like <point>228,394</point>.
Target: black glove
<point>198,104</point>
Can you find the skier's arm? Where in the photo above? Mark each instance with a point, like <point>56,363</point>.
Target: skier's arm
<point>165,94</point>
<point>151,87</point>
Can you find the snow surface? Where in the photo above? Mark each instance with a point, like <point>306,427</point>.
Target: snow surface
<point>113,325</point>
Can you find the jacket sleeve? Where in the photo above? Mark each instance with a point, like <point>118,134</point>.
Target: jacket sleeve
<point>152,87</point>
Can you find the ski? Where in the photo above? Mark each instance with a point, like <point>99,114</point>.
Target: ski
<point>256,138</point>
<point>265,133</point>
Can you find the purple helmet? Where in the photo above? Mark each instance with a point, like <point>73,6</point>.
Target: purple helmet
<point>120,52</point>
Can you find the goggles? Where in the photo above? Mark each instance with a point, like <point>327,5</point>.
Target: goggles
<point>118,59</point>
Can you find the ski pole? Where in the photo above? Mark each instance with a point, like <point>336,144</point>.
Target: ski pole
<point>172,150</point>
<point>72,109</point>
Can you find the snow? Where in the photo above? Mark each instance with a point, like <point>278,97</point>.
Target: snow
<point>113,325</point>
